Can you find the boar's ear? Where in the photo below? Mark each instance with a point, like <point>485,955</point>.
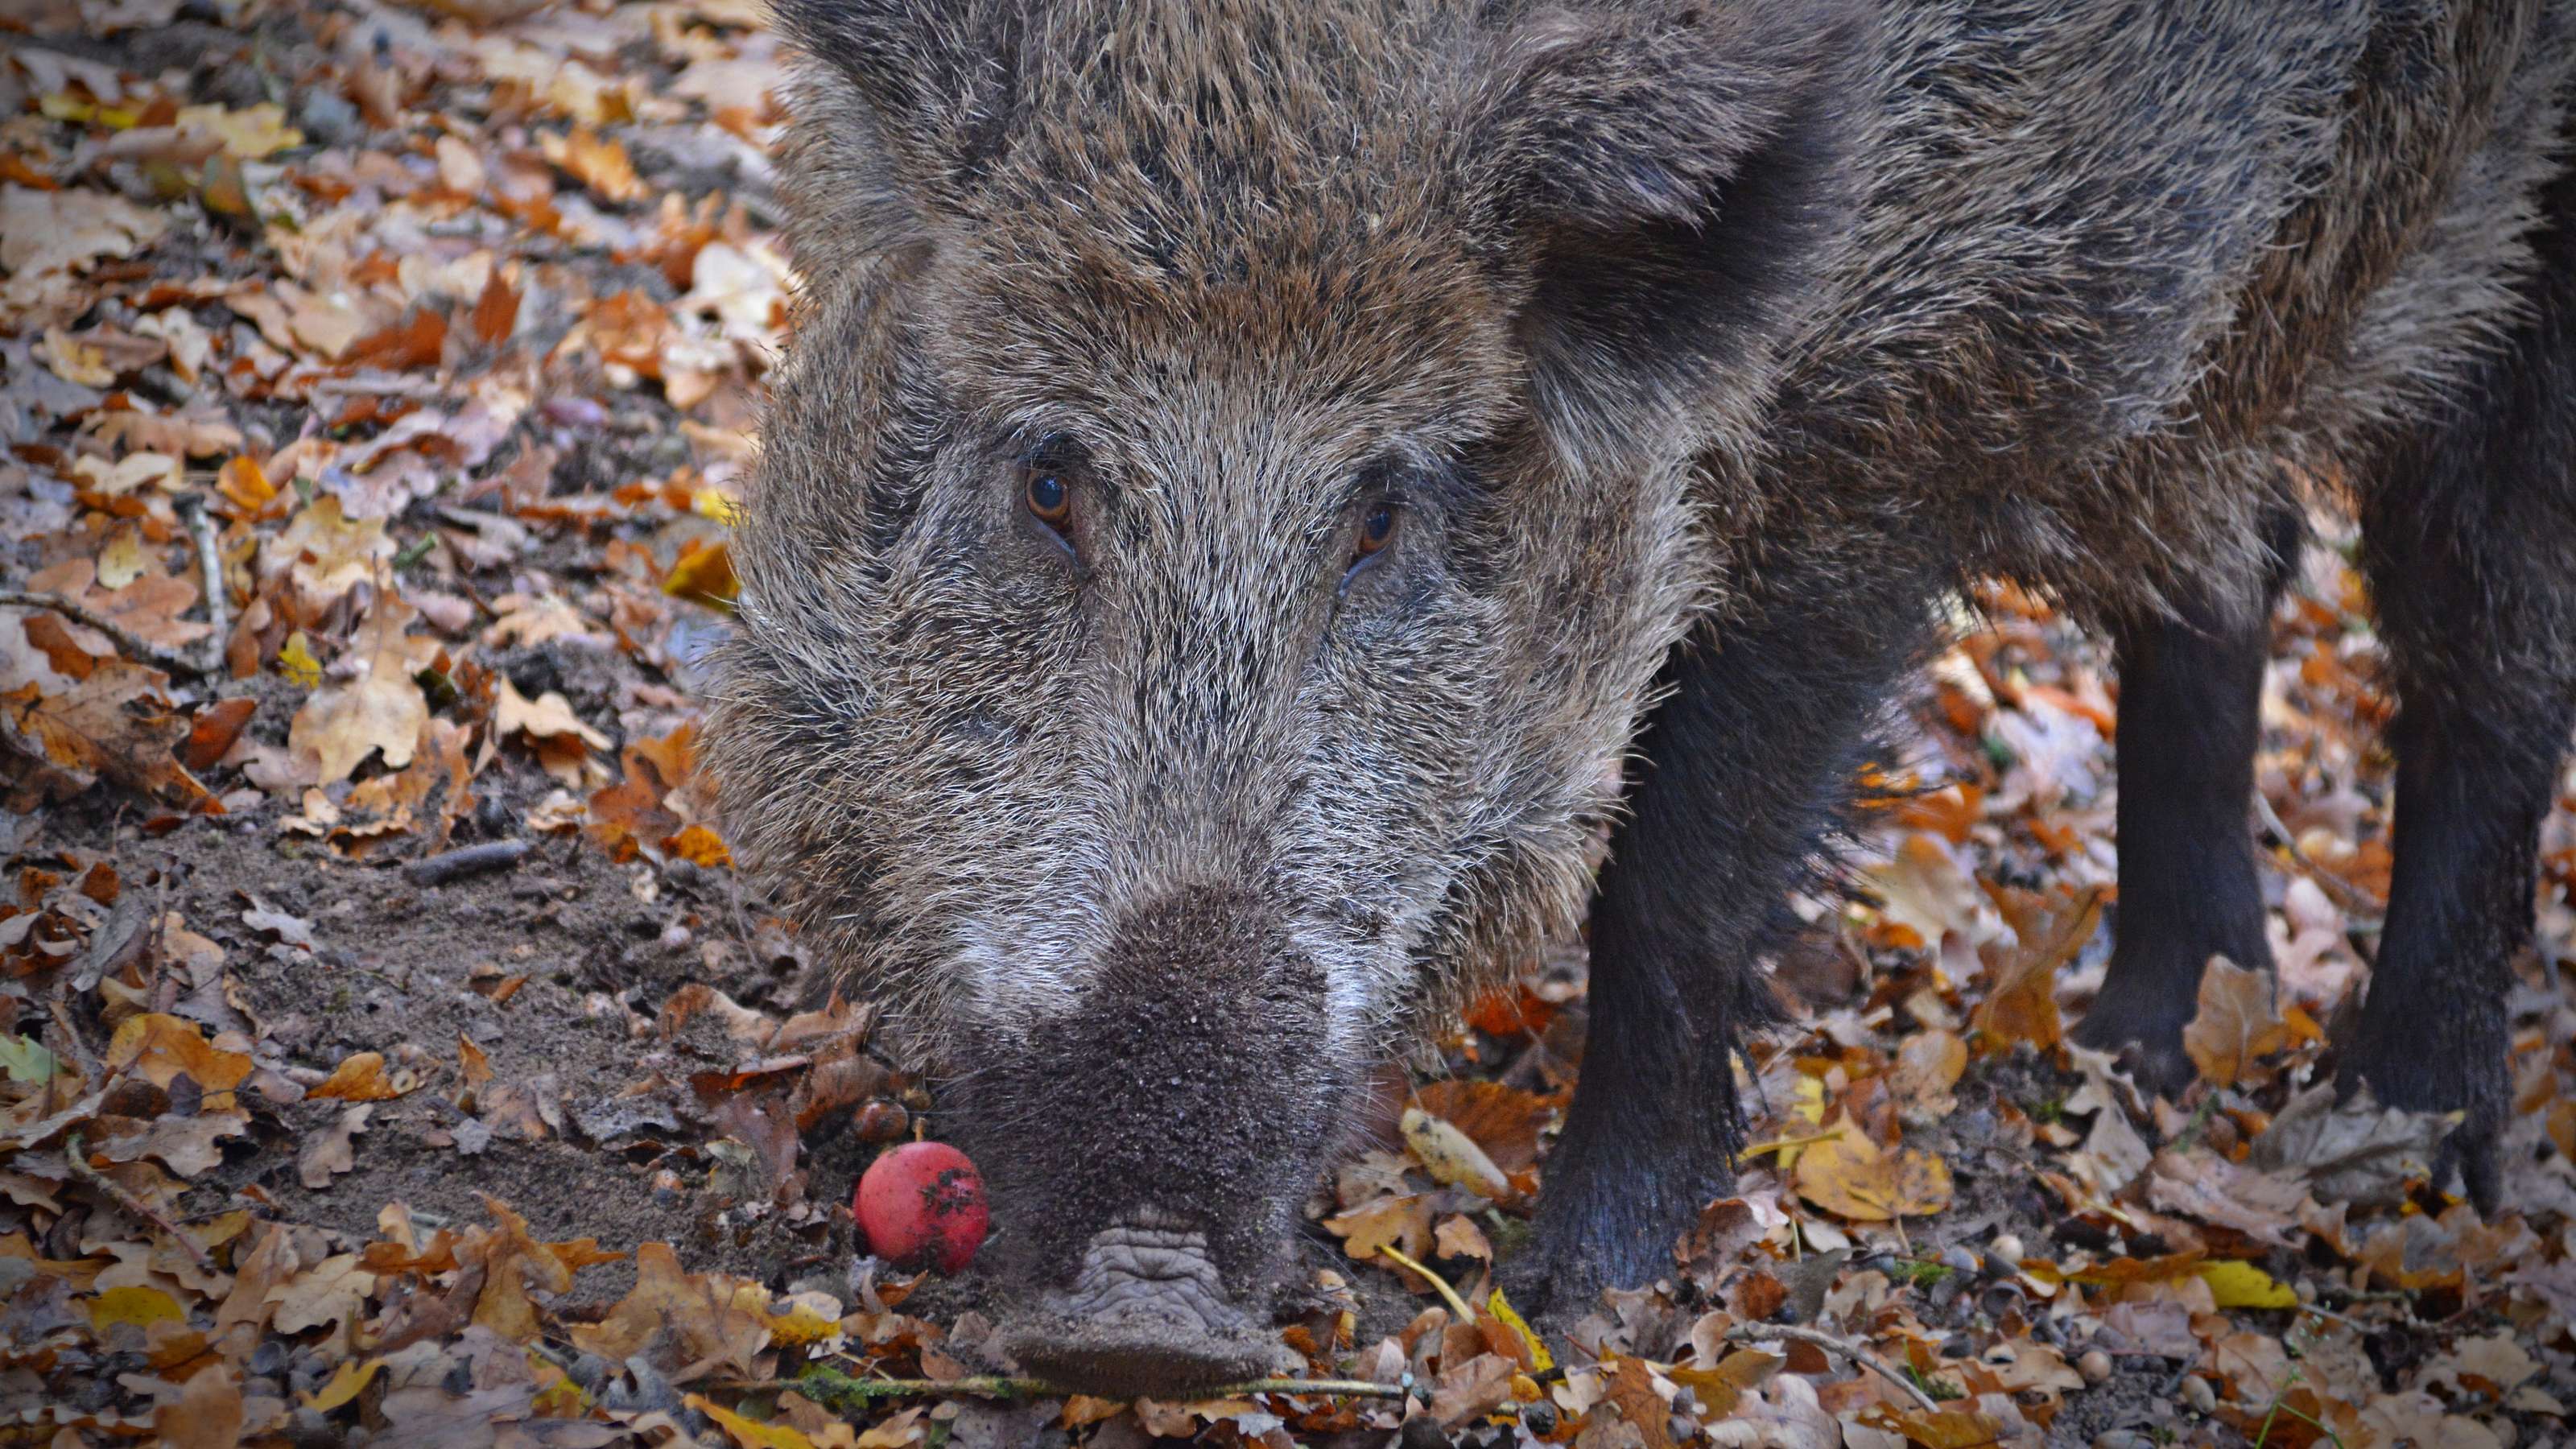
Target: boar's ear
<point>1674,177</point>
<point>900,101</point>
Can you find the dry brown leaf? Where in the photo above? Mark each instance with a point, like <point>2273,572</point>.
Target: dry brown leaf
<point>1928,1065</point>
<point>333,1150</point>
<point>707,1317</point>
<point>43,230</point>
<point>326,552</point>
<point>378,707</point>
<point>1402,1222</point>
<point>599,163</point>
<point>513,1263</point>
<point>117,723</point>
<point>2238,1022</point>
<point>1503,1120</point>
<point>161,1049</point>
<point>2203,1185</point>
<point>1631,1388</point>
<point>2021,1002</point>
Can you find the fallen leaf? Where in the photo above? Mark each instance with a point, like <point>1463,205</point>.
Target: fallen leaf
<point>332,1151</point>
<point>745,1432</point>
<point>1854,1178</point>
<point>2352,1150</point>
<point>117,723</point>
<point>708,1317</point>
<point>1452,1157</point>
<point>2237,1023</point>
<point>41,231</point>
<point>360,1077</point>
<point>379,708</point>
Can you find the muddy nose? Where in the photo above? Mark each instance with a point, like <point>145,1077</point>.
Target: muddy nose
<point>1147,1316</point>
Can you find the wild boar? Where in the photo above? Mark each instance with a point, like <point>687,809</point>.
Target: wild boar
<point>1259,485</point>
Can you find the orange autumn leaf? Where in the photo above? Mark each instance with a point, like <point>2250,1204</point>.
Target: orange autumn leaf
<point>360,1077</point>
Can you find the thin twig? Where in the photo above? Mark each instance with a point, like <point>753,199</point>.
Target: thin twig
<point>134,1207</point>
<point>210,569</point>
<point>839,1391</point>
<point>1448,1294</point>
<point>2347,895</point>
<point>157,655</point>
<point>1865,1357</point>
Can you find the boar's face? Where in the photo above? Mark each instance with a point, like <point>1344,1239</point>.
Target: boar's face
<point>1225,507</point>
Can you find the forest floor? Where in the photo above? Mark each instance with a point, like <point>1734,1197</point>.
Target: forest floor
<point>435,334</point>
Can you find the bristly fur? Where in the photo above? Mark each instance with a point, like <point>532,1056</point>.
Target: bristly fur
<point>1749,322</point>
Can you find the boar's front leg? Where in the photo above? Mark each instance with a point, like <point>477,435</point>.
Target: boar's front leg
<point>1742,771</point>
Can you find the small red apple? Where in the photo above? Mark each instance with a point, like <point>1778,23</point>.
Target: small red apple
<point>922,1204</point>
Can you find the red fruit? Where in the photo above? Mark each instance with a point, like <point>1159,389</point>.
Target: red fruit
<point>922,1204</point>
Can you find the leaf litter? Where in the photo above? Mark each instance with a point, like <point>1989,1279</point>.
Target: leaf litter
<point>433,334</point>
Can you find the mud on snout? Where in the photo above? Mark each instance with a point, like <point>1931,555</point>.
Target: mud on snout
<point>1147,1150</point>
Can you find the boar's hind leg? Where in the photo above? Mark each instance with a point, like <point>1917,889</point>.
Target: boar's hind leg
<point>2466,529</point>
<point>1743,769</point>
<point>2190,687</point>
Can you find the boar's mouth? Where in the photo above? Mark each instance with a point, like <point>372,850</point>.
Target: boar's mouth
<point>1146,1316</point>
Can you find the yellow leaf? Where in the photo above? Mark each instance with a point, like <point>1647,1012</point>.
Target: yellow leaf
<point>251,134</point>
<point>1452,1157</point>
<point>139,1306</point>
<point>1854,1178</point>
<point>2242,1285</point>
<point>349,1382</point>
<point>799,1326</point>
<point>748,1433</point>
<point>703,575</point>
<point>1501,1308</point>
<point>297,663</point>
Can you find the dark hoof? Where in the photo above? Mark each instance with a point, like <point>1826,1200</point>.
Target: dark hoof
<point>2418,1081</point>
<point>1549,1291</point>
<point>2148,1048</point>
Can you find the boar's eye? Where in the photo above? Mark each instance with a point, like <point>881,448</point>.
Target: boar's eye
<point>1048,497</point>
<point>1046,487</point>
<point>1377,530</point>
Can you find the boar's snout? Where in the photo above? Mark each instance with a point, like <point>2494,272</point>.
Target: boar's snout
<point>1147,1315</point>
<point>1148,1145</point>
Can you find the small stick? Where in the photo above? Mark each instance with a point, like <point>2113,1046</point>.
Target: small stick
<point>836,1390</point>
<point>1783,1144</point>
<point>134,1207</point>
<point>469,860</point>
<point>1448,1294</point>
<point>1855,1353</point>
<point>210,569</point>
<point>125,639</point>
